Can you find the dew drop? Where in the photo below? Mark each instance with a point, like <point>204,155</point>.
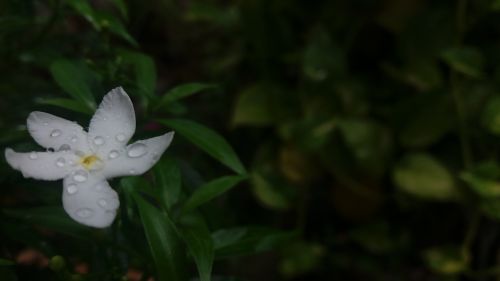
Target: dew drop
<point>137,150</point>
<point>120,137</point>
<point>45,123</point>
<point>102,202</point>
<point>80,176</point>
<point>60,162</point>
<point>55,133</point>
<point>132,171</point>
<point>99,140</point>
<point>84,212</point>
<point>72,189</point>
<point>33,156</point>
<point>113,154</point>
<point>74,139</point>
<point>65,147</point>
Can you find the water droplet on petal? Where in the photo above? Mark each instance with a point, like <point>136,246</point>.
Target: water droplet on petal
<point>45,123</point>
<point>72,189</point>
<point>74,139</point>
<point>33,156</point>
<point>120,137</point>
<point>137,150</point>
<point>64,147</point>
<point>99,140</point>
<point>102,202</point>
<point>80,176</point>
<point>84,213</point>
<point>55,133</point>
<point>99,187</point>
<point>132,171</point>
<point>60,162</point>
<point>113,154</point>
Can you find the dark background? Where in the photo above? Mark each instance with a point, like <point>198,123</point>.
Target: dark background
<point>369,129</point>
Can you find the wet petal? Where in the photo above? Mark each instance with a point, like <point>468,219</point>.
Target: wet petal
<point>56,133</point>
<point>42,165</point>
<point>89,200</point>
<point>136,158</point>
<point>113,124</point>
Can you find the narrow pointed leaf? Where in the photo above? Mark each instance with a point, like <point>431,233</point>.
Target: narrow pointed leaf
<point>200,244</point>
<point>70,76</point>
<point>163,240</point>
<point>182,91</point>
<point>168,180</point>
<point>211,190</point>
<point>208,140</point>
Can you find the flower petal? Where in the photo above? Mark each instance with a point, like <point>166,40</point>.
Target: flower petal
<point>42,165</point>
<point>113,124</point>
<point>55,132</point>
<point>136,158</point>
<point>89,200</point>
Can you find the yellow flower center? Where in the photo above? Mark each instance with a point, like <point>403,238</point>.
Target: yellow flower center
<point>91,162</point>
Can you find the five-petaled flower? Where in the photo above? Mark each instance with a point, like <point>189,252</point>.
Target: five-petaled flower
<point>85,160</point>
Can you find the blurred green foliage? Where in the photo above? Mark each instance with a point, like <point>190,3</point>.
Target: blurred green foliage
<point>315,140</point>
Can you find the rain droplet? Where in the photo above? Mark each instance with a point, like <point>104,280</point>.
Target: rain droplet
<point>45,123</point>
<point>60,162</point>
<point>80,176</point>
<point>102,202</point>
<point>99,140</point>
<point>137,150</point>
<point>113,154</point>
<point>33,156</point>
<point>64,147</point>
<point>84,212</point>
<point>132,171</point>
<point>74,139</point>
<point>55,133</point>
<point>72,189</point>
<point>120,137</point>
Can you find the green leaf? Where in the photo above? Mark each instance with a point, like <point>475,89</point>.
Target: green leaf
<point>268,194</point>
<point>466,60</point>
<point>122,7</point>
<point>5,262</point>
<point>423,176</point>
<point>145,71</point>
<point>168,179</point>
<point>199,242</point>
<point>447,260</point>
<point>182,91</point>
<point>163,239</point>
<point>114,25</point>
<point>85,10</point>
<point>239,241</point>
<point>211,190</point>
<point>66,104</point>
<point>482,186</point>
<point>71,77</point>
<point>254,107</point>
<point>491,115</point>
<point>208,140</point>
<point>53,218</point>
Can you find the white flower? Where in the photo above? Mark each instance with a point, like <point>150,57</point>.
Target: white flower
<point>85,160</point>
